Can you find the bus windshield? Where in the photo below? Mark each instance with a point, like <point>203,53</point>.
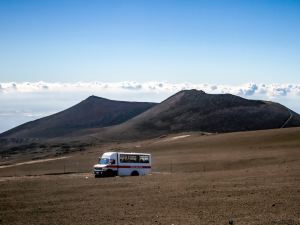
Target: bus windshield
<point>104,161</point>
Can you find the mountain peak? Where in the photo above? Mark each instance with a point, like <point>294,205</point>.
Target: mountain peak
<point>193,91</point>
<point>186,94</point>
<point>93,97</point>
<point>194,110</point>
<point>93,112</point>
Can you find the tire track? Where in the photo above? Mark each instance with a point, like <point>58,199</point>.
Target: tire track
<point>34,161</point>
<point>288,120</point>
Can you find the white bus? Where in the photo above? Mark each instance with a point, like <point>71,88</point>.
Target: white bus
<point>123,164</point>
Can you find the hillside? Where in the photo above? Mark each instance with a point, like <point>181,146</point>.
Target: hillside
<point>97,121</point>
<point>193,110</point>
<point>93,112</point>
<point>244,177</point>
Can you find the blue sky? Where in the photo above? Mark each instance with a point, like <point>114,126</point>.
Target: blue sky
<point>177,41</point>
<point>144,51</point>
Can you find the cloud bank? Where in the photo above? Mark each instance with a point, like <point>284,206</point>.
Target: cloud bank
<point>249,89</point>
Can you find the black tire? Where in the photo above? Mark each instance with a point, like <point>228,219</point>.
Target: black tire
<point>110,173</point>
<point>135,173</point>
<point>97,176</point>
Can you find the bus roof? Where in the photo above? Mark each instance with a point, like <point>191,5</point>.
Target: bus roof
<point>127,153</point>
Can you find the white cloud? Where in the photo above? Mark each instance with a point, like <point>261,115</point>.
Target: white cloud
<point>248,89</point>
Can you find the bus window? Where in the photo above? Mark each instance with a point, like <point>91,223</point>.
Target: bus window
<point>104,161</point>
<point>124,158</point>
<point>144,159</point>
<point>133,158</point>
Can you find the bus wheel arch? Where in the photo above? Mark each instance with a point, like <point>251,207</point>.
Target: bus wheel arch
<point>135,173</point>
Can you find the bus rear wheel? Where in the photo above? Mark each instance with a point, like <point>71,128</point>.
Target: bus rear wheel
<point>135,173</point>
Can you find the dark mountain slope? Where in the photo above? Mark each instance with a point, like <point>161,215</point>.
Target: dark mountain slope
<point>96,121</point>
<point>93,112</point>
<point>188,110</point>
<point>194,110</point>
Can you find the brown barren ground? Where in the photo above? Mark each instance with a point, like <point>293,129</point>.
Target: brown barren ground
<point>236,178</point>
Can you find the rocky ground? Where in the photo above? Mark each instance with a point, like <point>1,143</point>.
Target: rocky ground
<point>237,178</point>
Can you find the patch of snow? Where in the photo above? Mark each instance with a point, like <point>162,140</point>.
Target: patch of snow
<point>179,137</point>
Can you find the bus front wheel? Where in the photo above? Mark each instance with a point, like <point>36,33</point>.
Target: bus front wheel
<point>110,173</point>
